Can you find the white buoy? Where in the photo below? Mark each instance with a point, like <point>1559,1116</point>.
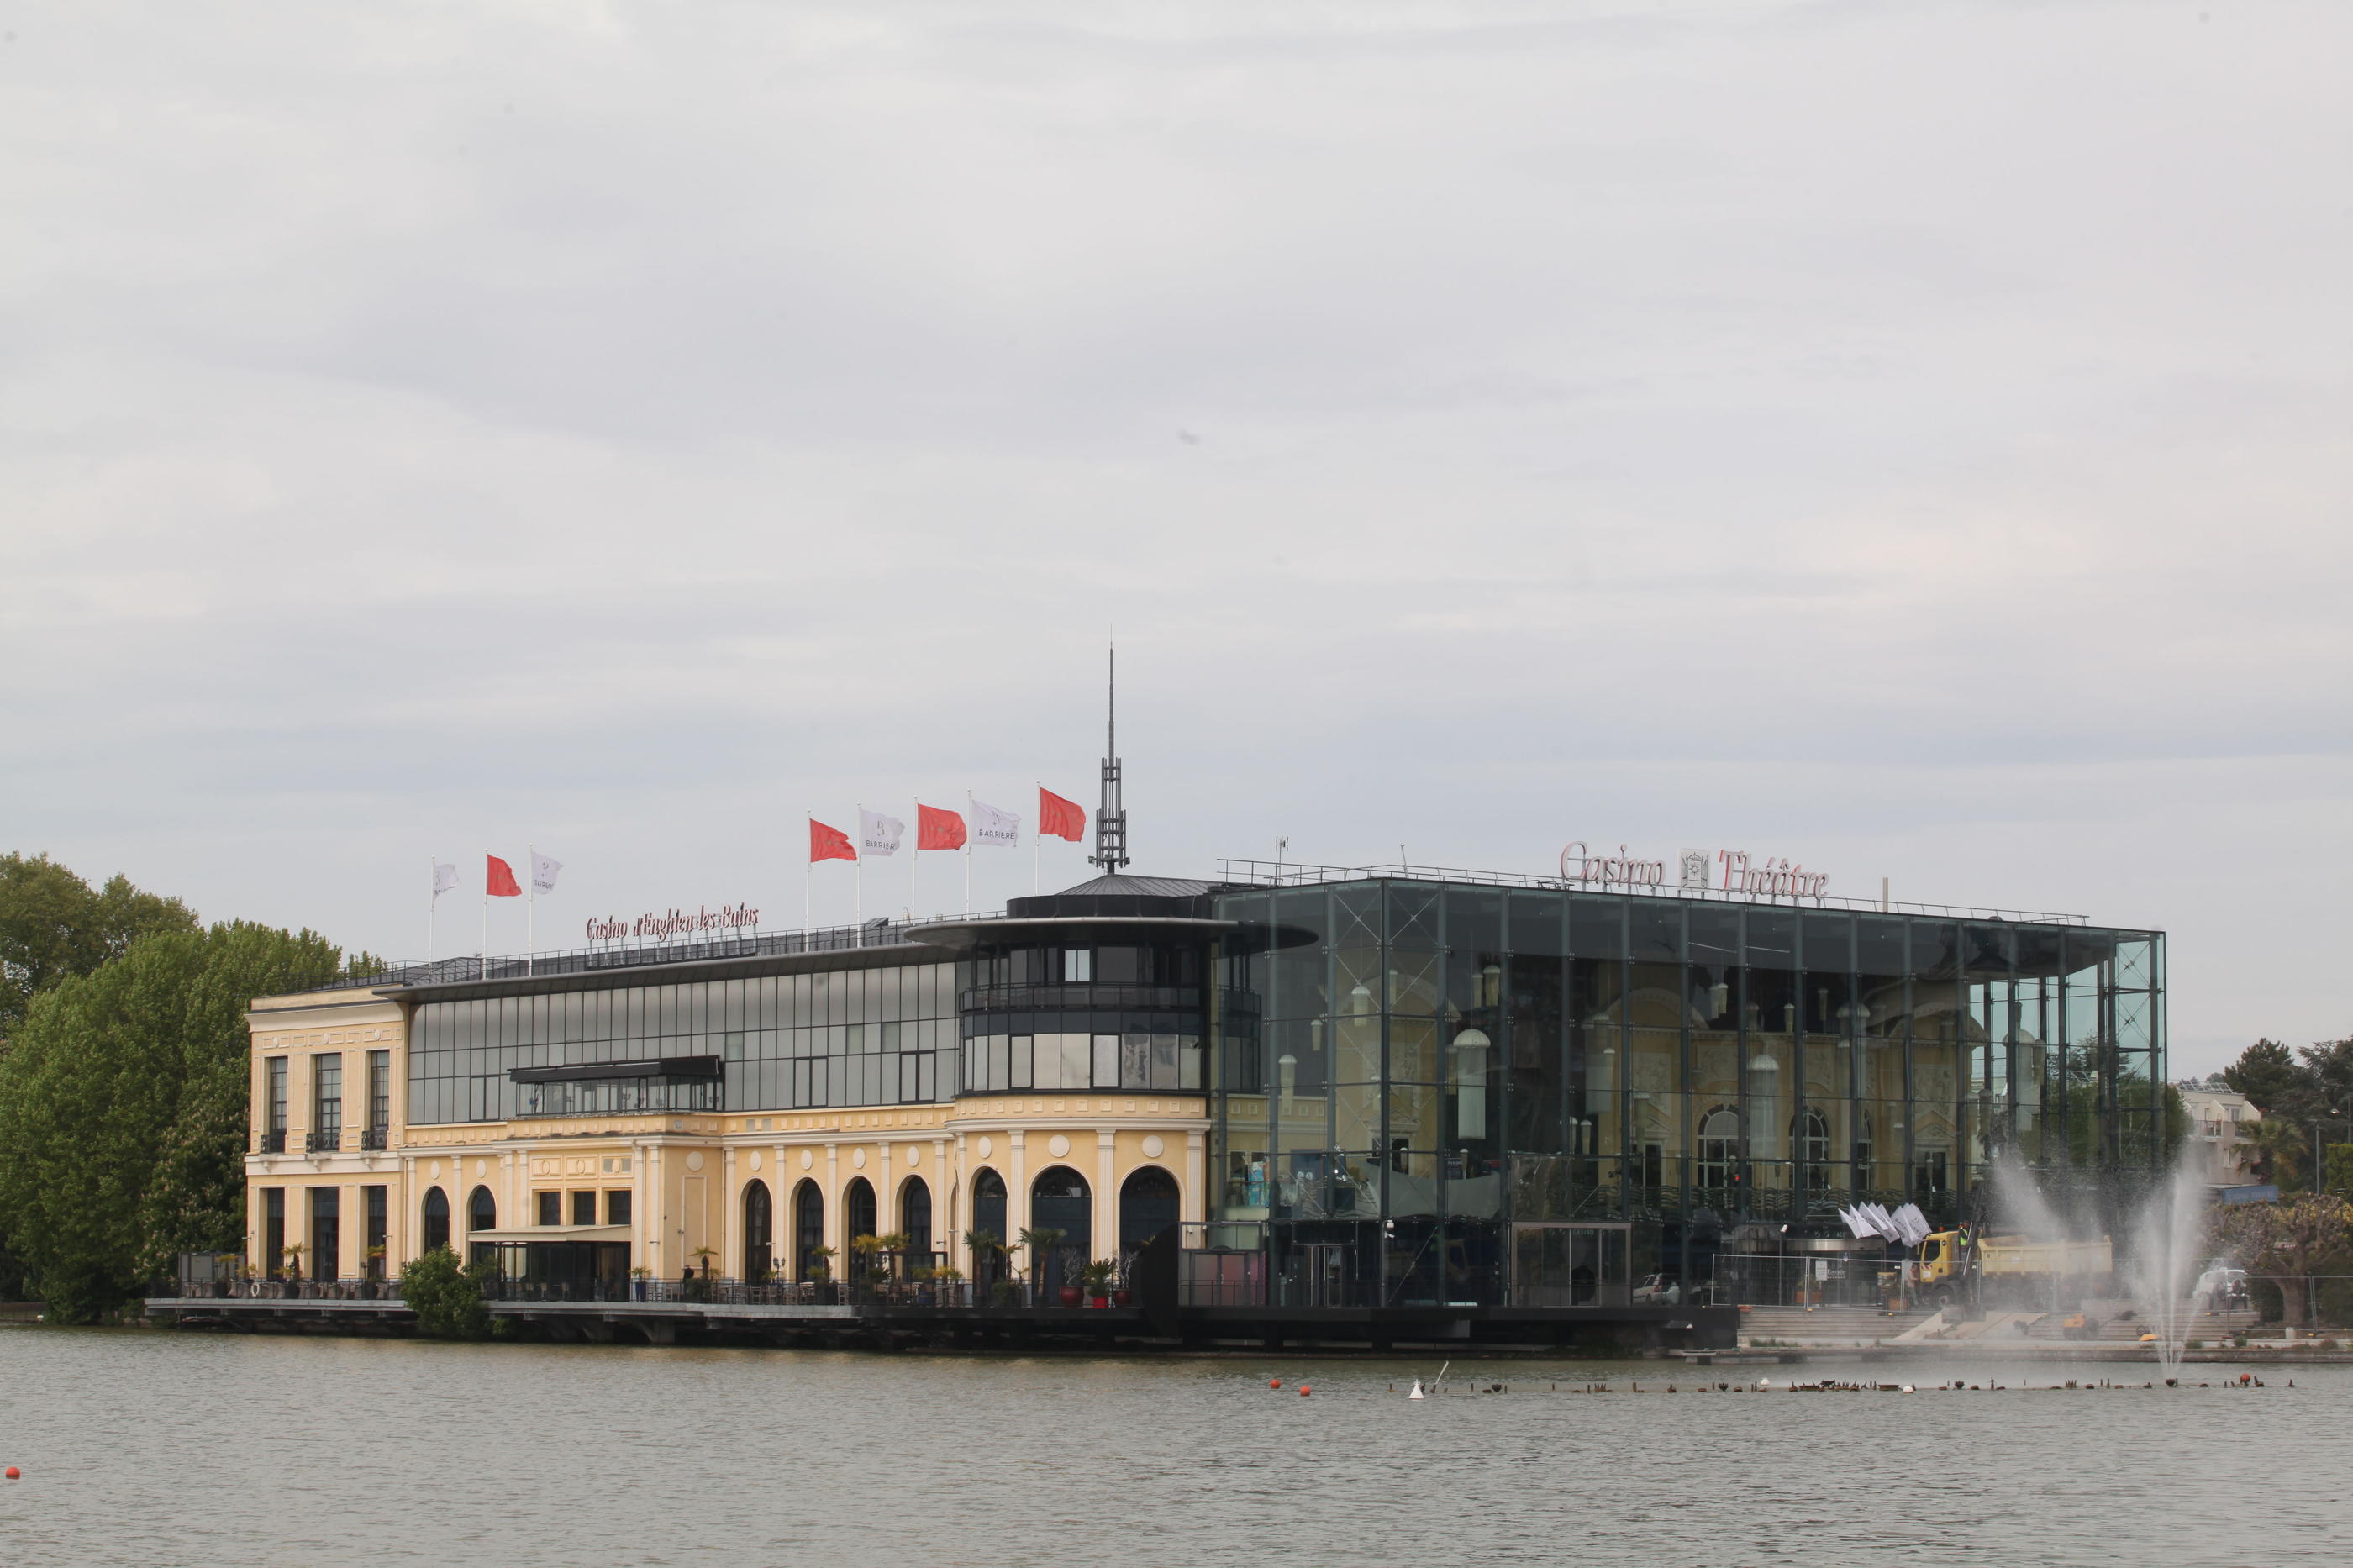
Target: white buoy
<point>1417,1392</point>
<point>1907,1388</point>
<point>1764,1382</point>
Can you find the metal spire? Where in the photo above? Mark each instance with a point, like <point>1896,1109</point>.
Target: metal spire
<point>1110,818</point>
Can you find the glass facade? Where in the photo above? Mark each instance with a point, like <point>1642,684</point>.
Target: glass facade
<point>1439,1064</point>
<point>878,1035</point>
<point>1085,1014</point>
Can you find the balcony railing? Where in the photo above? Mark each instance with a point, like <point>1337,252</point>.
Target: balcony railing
<point>325,1141</point>
<point>273,1142</point>
<point>374,1137</point>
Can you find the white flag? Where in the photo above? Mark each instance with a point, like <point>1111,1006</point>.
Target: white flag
<point>1001,829</point>
<point>543,873</point>
<point>878,834</point>
<point>445,877</point>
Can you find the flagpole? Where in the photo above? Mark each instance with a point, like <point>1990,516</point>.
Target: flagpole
<point>858,882</point>
<point>808,878</point>
<point>482,961</point>
<point>531,913</point>
<point>1038,845</point>
<point>914,859</point>
<point>432,900</point>
<point>969,815</point>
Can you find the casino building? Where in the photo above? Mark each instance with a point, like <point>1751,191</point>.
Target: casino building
<point>1292,1102</point>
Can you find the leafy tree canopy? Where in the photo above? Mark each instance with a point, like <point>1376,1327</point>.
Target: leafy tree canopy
<point>2311,1086</point>
<point>53,925</point>
<point>445,1297</point>
<point>124,1109</point>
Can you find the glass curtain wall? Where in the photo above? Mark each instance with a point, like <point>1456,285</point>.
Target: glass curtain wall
<point>882,1036</point>
<point>1439,1064</point>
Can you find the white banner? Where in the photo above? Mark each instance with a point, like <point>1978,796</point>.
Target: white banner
<point>445,877</point>
<point>878,834</point>
<point>991,826</point>
<point>543,873</point>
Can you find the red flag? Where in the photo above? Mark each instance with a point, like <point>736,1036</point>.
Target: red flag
<point>502,884</point>
<point>1062,818</point>
<point>829,843</point>
<point>937,829</point>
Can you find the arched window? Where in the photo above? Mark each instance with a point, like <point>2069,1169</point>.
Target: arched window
<point>1147,1205</point>
<point>481,1211</point>
<point>808,1229</point>
<point>1811,1134</point>
<point>857,1215</point>
<point>1060,1200</point>
<point>759,1231</point>
<point>1719,1148</point>
<point>988,1205</point>
<point>435,1220</point>
<point>435,1231</point>
<point>915,1215</point>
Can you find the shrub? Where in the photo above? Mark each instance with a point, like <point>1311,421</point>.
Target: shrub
<point>445,1297</point>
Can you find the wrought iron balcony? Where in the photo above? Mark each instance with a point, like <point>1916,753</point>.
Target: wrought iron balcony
<point>324,1141</point>
<point>375,1137</point>
<point>273,1142</point>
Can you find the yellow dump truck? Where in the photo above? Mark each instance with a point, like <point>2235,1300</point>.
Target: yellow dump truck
<point>1953,1263</point>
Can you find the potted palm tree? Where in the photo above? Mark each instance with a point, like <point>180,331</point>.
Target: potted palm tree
<point>638,1278</point>
<point>1040,1242</point>
<point>294,1250</point>
<point>1096,1279</point>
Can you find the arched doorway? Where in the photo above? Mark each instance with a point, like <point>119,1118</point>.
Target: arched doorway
<point>759,1232</point>
<point>481,1210</point>
<point>988,1205</point>
<point>857,1210</point>
<point>435,1231</point>
<point>1060,1199</point>
<point>1147,1205</point>
<point>915,1215</point>
<point>809,1230</point>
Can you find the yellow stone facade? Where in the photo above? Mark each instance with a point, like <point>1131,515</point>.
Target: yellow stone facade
<point>685,1176</point>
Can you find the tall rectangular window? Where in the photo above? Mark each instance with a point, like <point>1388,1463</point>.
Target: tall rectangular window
<point>327,1101</point>
<point>551,1207</point>
<point>326,1233</point>
<point>584,1208</point>
<point>273,1230</point>
<point>616,1206</point>
<point>275,1112</point>
<point>378,1228</point>
<point>379,1106</point>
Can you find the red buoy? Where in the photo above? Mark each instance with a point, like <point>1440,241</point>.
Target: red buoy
<point>1304,1390</point>
<point>14,1474</point>
<point>1275,1382</point>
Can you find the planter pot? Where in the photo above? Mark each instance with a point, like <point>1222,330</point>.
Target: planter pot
<point>637,1290</point>
<point>1122,1298</point>
<point>1099,1301</point>
<point>1070,1295</point>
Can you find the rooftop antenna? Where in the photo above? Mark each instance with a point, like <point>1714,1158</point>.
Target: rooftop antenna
<point>1111,818</point>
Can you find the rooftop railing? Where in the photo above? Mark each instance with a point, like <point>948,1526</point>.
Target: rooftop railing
<point>1294,874</point>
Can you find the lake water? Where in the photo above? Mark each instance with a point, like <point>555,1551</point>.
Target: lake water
<point>188,1450</point>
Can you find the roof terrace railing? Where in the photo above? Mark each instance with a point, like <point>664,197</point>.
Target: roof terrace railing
<point>1293,874</point>
<point>1238,874</point>
<point>472,967</point>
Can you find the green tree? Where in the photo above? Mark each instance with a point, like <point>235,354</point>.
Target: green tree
<point>2267,1074</point>
<point>53,925</point>
<point>124,1109</point>
<point>445,1297</point>
<point>2288,1241</point>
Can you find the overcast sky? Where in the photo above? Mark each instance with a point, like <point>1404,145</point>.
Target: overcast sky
<point>1912,438</point>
